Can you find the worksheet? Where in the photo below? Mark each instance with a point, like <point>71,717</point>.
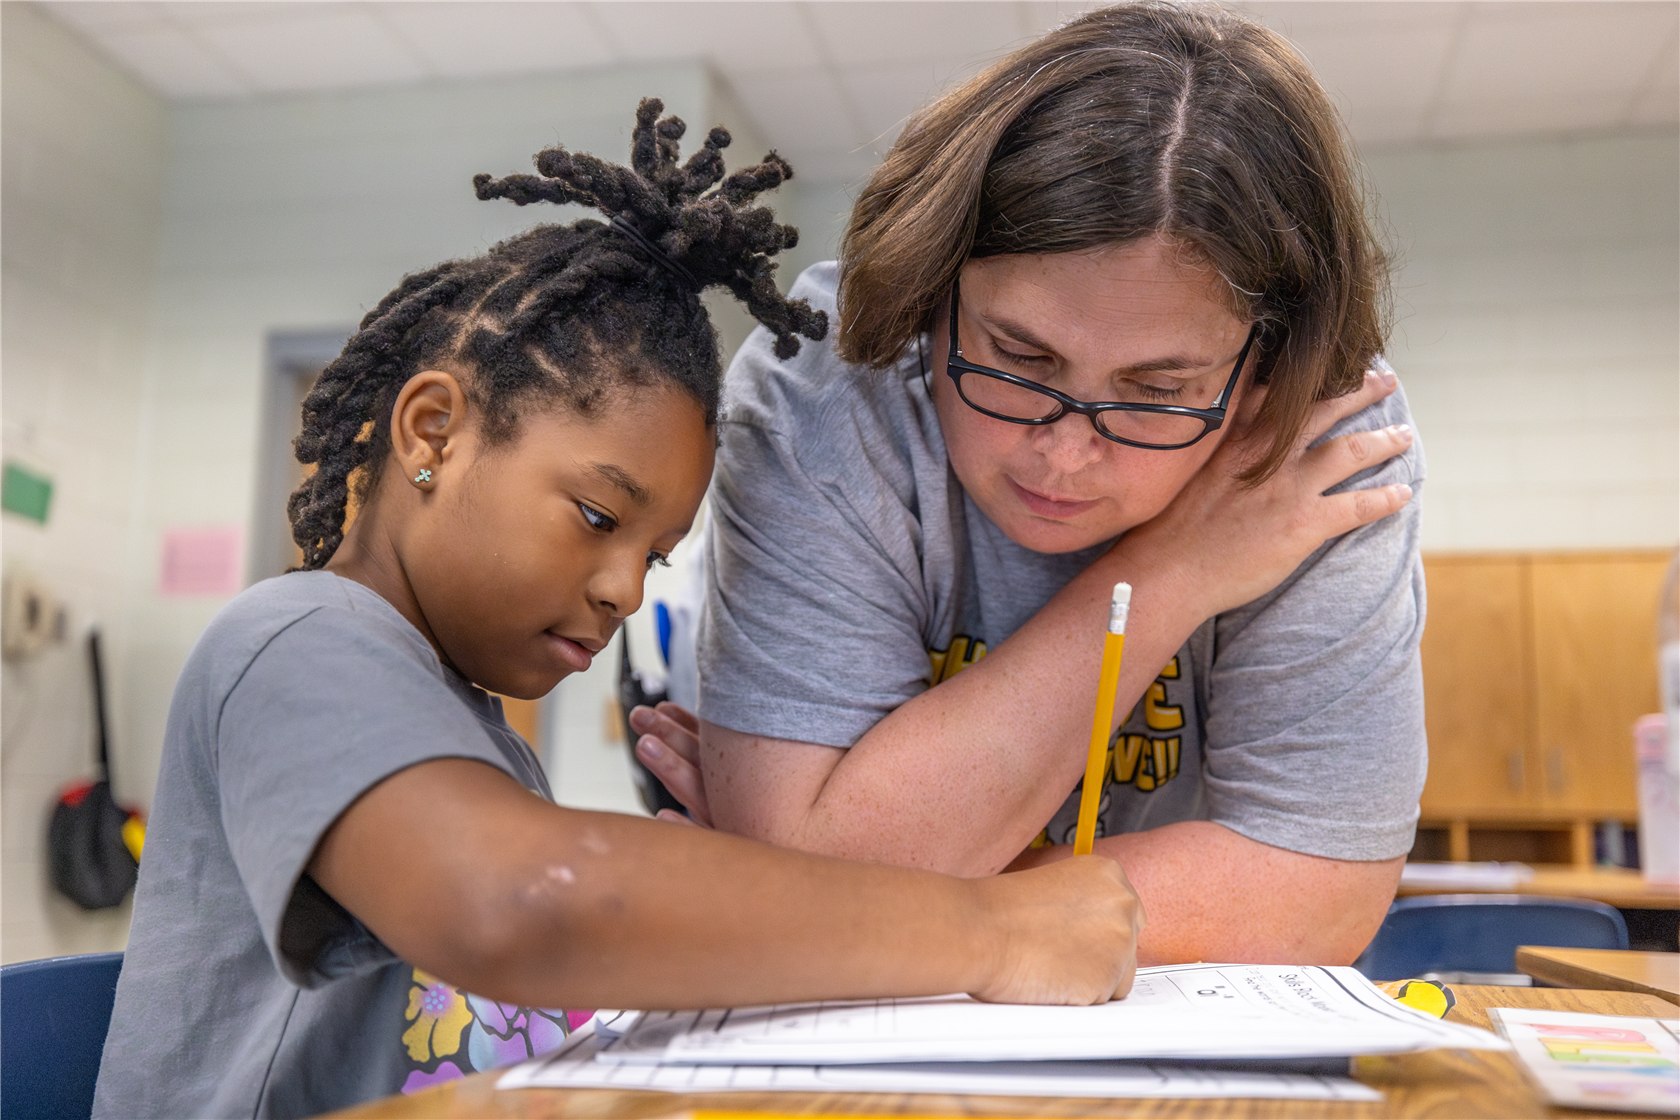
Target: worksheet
<point>1178,1012</point>
<point>574,1066</point>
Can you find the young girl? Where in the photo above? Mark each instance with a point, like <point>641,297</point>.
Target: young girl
<point>347,837</point>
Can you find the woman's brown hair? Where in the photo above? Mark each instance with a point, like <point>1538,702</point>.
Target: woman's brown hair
<point>1192,123</point>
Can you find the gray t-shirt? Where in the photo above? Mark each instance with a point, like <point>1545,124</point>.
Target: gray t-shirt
<point>246,990</point>
<point>849,571</point>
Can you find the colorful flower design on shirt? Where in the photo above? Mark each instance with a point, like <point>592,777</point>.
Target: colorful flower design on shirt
<point>439,1014</point>
<point>503,1033</point>
<point>497,1034</point>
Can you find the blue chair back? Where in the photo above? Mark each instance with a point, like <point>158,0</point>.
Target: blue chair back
<point>53,1018</point>
<point>1481,932</point>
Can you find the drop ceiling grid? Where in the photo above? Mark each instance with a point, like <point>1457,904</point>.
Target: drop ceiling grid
<point>829,83</point>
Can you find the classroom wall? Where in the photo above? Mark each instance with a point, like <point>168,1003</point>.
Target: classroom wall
<point>80,201</point>
<point>149,251</point>
<point>1538,336</point>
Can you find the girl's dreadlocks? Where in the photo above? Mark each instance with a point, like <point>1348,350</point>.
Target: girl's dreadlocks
<point>566,314</point>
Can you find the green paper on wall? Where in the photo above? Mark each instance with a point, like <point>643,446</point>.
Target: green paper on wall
<point>26,493</point>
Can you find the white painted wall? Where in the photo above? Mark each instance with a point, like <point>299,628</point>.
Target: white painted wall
<point>79,203</point>
<point>1539,337</point>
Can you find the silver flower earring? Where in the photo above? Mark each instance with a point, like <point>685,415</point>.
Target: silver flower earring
<point>425,475</point>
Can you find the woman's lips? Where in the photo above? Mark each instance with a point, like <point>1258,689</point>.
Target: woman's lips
<point>1045,506</point>
<point>572,653</point>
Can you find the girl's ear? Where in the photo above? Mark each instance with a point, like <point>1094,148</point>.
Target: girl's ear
<point>427,421</point>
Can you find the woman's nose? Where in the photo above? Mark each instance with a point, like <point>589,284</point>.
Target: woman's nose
<point>1070,444</point>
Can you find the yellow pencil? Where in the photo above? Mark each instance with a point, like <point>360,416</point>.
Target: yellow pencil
<point>1102,724</point>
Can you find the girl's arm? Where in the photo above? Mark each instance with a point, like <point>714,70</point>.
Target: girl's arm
<point>960,778</point>
<point>466,874</point>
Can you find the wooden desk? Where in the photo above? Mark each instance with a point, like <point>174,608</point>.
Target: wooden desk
<point>1616,886</point>
<point>1656,974</point>
<point>1455,1083</point>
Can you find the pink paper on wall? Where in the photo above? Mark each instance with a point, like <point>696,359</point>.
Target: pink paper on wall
<point>204,560</point>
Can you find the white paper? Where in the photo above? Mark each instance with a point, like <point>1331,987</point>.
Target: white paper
<point>574,1067</point>
<point>1230,1012</point>
<point>1597,1061</point>
<point>1466,876</point>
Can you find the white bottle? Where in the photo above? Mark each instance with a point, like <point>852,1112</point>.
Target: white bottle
<point>1668,661</point>
<point>1656,744</point>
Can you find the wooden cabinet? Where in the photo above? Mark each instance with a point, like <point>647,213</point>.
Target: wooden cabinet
<point>1535,667</point>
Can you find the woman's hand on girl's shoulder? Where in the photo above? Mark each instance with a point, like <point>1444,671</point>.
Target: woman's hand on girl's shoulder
<point>669,746</point>
<point>1234,541</point>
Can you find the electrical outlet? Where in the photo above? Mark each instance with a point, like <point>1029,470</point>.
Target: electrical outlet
<point>31,617</point>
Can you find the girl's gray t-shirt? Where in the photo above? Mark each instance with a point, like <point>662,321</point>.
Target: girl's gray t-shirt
<point>848,572</point>
<point>246,990</point>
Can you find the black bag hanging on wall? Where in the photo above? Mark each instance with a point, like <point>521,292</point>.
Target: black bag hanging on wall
<point>93,844</point>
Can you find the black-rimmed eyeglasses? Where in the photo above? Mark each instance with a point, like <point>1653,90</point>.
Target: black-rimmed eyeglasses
<point>1160,427</point>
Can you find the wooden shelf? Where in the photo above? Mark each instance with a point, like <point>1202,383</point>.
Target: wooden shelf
<point>1511,835</point>
<point>1615,886</point>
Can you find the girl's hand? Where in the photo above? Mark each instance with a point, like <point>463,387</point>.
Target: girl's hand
<point>1232,542</point>
<point>1070,933</point>
<point>669,746</point>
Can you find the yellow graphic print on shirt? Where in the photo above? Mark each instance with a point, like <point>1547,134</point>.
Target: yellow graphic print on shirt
<point>954,658</point>
<point>1150,761</point>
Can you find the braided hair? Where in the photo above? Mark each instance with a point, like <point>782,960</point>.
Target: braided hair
<point>559,314</point>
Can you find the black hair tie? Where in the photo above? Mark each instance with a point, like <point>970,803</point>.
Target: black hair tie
<point>660,257</point>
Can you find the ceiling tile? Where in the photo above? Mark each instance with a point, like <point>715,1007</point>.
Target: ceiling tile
<point>744,35</point>
<point>196,13</point>
<point>1040,16</point>
<point>173,63</point>
<point>1300,17</point>
<point>1404,71</point>
<point>1659,101</point>
<point>868,32</point>
<point>465,39</point>
<point>95,16</point>
<point>311,47</point>
<point>1377,127</point>
<point>885,95</point>
<point>1514,52</point>
<point>1573,111</point>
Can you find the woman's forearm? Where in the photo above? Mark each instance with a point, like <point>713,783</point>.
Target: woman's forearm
<point>955,779</point>
<point>1216,895</point>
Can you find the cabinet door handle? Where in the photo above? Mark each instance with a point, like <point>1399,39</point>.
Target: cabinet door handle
<point>1514,771</point>
<point>1554,770</point>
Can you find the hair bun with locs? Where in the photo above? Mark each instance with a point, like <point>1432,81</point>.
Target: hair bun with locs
<point>703,237</point>
<point>559,314</point>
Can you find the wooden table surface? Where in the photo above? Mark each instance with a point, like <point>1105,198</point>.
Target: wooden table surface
<point>1617,886</point>
<point>1438,1083</point>
<point>1616,970</point>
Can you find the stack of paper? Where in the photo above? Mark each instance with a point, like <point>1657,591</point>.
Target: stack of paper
<point>1205,1015</point>
<point>1465,876</point>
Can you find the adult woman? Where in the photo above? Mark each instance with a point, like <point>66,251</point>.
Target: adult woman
<point>1148,218</point>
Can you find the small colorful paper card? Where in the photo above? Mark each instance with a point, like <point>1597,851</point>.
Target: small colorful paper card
<point>1597,1061</point>
<point>201,560</point>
